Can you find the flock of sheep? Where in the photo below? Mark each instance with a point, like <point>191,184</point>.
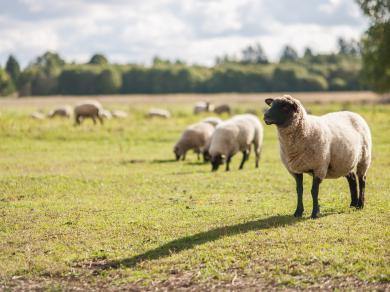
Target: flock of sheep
<point>87,109</point>
<point>330,146</point>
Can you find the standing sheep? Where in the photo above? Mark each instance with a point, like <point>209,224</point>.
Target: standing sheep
<point>234,135</point>
<point>160,113</point>
<point>88,109</point>
<point>194,137</point>
<point>63,111</point>
<point>202,107</point>
<point>223,108</point>
<point>330,146</point>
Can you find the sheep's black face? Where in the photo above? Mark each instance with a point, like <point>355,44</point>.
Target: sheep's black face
<point>177,153</point>
<point>216,161</point>
<point>206,156</point>
<point>280,112</point>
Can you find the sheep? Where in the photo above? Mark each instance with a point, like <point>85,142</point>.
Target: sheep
<point>161,113</point>
<point>233,135</point>
<point>195,137</point>
<point>330,146</point>
<point>202,106</point>
<point>88,109</point>
<point>212,120</point>
<point>64,111</point>
<point>105,114</point>
<point>223,108</point>
<point>37,115</point>
<point>119,114</point>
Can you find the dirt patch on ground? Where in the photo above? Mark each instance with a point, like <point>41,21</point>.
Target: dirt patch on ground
<point>182,281</point>
<point>318,97</point>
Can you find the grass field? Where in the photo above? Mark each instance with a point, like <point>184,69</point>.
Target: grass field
<point>99,207</point>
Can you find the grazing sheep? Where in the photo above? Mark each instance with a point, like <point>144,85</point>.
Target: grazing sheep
<point>105,114</point>
<point>37,115</point>
<point>223,108</point>
<point>160,113</point>
<point>64,111</point>
<point>212,120</point>
<point>234,135</point>
<point>195,137</point>
<point>202,107</point>
<point>88,109</point>
<point>119,114</point>
<point>330,146</point>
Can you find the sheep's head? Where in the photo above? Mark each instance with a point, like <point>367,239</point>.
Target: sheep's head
<point>282,110</point>
<point>216,161</point>
<point>177,152</point>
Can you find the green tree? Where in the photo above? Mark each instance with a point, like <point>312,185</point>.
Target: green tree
<point>108,81</point>
<point>6,84</point>
<point>376,44</point>
<point>98,59</point>
<point>254,55</point>
<point>289,54</point>
<point>13,68</point>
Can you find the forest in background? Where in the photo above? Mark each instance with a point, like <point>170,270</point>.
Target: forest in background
<point>251,71</point>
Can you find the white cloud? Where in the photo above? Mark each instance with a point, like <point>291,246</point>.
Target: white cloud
<point>193,30</point>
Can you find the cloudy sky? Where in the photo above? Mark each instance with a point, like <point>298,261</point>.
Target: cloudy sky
<point>192,30</point>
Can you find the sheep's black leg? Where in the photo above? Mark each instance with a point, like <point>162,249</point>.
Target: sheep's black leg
<point>94,120</point>
<point>229,158</point>
<point>100,120</point>
<point>198,155</point>
<point>299,186</point>
<point>314,193</point>
<point>184,156</point>
<point>353,189</point>
<point>362,190</point>
<point>245,155</point>
<point>77,120</point>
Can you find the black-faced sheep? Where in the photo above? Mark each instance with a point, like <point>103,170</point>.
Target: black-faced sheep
<point>202,107</point>
<point>63,111</point>
<point>223,108</point>
<point>234,135</point>
<point>329,146</point>
<point>88,109</point>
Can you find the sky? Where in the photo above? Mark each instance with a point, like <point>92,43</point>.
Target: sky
<point>196,31</point>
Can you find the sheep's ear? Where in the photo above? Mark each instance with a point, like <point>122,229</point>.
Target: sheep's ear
<point>269,101</point>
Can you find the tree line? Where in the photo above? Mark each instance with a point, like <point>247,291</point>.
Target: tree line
<point>49,74</point>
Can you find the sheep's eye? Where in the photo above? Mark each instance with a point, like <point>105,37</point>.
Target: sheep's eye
<point>285,108</point>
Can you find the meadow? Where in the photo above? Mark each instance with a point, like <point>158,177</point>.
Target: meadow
<point>108,207</point>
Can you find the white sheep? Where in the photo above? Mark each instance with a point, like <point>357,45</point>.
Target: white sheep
<point>160,113</point>
<point>195,137</point>
<point>37,115</point>
<point>329,146</point>
<point>119,114</point>
<point>63,111</point>
<point>234,135</point>
<point>106,114</point>
<point>202,107</point>
<point>88,109</point>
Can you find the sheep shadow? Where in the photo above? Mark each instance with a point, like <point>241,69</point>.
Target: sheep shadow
<point>153,161</point>
<point>191,241</point>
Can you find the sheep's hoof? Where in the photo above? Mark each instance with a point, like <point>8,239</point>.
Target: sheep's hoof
<point>298,213</point>
<point>360,205</point>
<point>354,204</point>
<point>315,215</point>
